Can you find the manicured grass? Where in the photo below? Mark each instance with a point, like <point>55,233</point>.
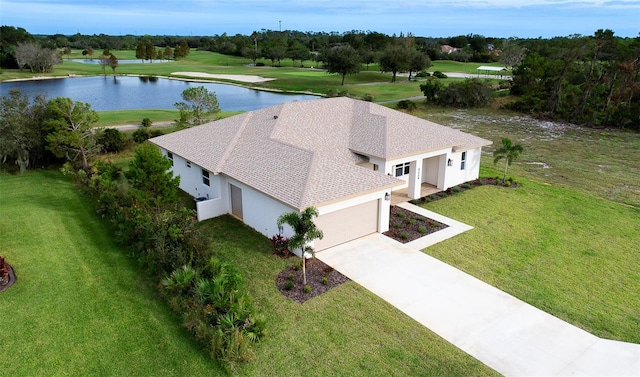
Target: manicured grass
<point>121,117</point>
<point>80,307</point>
<point>124,117</point>
<point>289,76</point>
<point>568,253</point>
<point>347,331</point>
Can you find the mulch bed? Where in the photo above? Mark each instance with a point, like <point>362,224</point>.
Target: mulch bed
<point>316,271</point>
<point>406,226</point>
<point>7,275</point>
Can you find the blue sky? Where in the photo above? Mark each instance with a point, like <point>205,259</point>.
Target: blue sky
<point>436,18</point>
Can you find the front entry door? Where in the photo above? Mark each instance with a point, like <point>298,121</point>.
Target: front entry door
<point>236,201</point>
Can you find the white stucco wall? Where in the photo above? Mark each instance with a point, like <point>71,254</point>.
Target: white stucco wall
<point>260,211</point>
<point>455,175</point>
<point>191,179</point>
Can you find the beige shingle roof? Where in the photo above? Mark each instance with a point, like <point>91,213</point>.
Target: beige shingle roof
<point>302,153</point>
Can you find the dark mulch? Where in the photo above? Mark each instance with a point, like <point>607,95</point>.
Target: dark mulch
<point>316,270</point>
<point>7,279</point>
<point>406,226</point>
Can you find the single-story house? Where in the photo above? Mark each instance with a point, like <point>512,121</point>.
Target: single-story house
<point>340,155</point>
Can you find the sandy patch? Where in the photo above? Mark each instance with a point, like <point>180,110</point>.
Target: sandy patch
<point>243,78</point>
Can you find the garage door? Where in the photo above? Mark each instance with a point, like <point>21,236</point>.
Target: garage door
<point>347,224</point>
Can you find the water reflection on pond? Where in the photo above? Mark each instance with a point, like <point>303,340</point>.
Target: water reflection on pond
<point>136,93</point>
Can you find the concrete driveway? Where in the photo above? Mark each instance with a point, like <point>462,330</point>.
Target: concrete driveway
<point>505,333</point>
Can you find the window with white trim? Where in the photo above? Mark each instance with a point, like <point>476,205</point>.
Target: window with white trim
<point>464,160</point>
<point>170,157</point>
<point>205,177</point>
<point>402,169</point>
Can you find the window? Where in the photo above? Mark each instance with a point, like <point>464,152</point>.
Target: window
<point>464,160</point>
<point>170,157</point>
<point>375,167</point>
<point>205,177</point>
<point>402,169</point>
<point>188,164</point>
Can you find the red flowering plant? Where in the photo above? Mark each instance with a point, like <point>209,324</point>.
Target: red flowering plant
<point>280,245</point>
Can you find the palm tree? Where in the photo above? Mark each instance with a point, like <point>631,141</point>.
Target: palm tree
<point>305,231</point>
<point>509,152</point>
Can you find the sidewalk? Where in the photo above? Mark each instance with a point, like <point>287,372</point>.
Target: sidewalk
<point>505,333</point>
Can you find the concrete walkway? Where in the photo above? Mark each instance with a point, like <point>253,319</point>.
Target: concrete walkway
<point>505,333</point>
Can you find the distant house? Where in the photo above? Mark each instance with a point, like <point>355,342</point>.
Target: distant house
<point>446,49</point>
<point>340,155</point>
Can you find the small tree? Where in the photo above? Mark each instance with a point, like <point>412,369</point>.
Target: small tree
<point>343,60</point>
<point>149,174</point>
<point>305,231</point>
<point>200,106</point>
<point>509,152</point>
<point>74,136</point>
<point>113,63</point>
<point>431,88</point>
<point>104,62</point>
<point>394,59</point>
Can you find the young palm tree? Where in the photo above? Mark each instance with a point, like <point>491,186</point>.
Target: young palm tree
<point>305,231</point>
<point>509,152</point>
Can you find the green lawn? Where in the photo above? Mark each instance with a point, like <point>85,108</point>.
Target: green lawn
<point>571,254</point>
<point>81,307</point>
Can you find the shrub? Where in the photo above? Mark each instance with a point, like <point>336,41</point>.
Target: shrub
<point>325,281</point>
<point>146,122</point>
<point>288,285</point>
<point>431,88</point>
<point>422,229</point>
<point>423,74</point>
<point>468,93</point>
<point>456,189</point>
<point>411,221</point>
<point>156,132</point>
<point>307,289</point>
<point>290,277</point>
<point>406,104</point>
<point>439,75</point>
<point>466,185</point>
<point>367,97</point>
<point>397,225</point>
<point>111,140</point>
<point>401,215</point>
<point>404,235</point>
<point>141,135</point>
<point>280,245</point>
<point>296,266</point>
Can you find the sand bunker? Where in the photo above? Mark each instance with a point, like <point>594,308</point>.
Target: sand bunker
<point>243,78</point>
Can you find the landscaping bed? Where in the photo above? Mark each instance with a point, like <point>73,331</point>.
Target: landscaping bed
<point>406,226</point>
<point>320,279</point>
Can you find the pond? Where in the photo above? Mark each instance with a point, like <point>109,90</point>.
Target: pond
<point>120,61</point>
<point>137,93</point>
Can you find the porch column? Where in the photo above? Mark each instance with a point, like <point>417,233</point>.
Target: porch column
<point>415,179</point>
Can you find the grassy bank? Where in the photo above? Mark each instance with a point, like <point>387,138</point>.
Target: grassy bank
<point>568,253</point>
<point>80,306</point>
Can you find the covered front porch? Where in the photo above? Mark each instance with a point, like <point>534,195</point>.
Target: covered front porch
<point>402,195</point>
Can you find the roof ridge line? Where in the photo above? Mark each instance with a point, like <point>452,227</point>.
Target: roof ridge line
<point>227,152</point>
